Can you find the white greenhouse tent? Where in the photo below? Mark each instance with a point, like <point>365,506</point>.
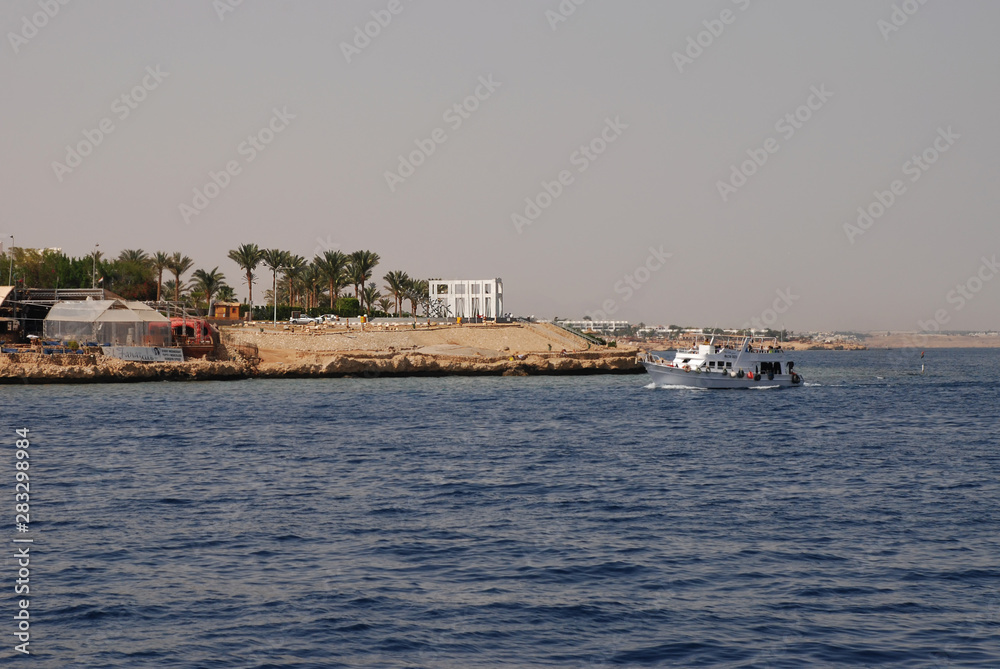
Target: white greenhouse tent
<point>107,323</point>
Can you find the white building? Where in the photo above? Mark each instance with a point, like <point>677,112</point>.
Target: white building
<point>467,298</point>
<point>597,326</point>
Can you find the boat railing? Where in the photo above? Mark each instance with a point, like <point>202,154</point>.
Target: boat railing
<point>646,356</point>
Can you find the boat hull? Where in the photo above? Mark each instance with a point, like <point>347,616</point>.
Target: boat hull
<point>664,375</point>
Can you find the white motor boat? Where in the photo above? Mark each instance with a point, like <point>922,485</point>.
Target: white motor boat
<point>746,362</point>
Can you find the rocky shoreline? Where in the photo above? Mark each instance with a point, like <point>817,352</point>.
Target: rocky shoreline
<point>37,369</point>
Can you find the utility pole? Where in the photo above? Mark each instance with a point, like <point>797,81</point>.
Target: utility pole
<point>274,293</point>
<point>10,267</point>
<point>93,275</point>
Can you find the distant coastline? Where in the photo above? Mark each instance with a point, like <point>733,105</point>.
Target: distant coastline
<point>930,340</point>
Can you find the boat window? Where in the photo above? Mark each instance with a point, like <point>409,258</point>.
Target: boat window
<point>729,364</point>
<point>711,364</point>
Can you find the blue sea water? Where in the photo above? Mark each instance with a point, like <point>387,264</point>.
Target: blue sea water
<point>517,522</point>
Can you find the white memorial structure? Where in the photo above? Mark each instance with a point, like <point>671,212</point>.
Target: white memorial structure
<point>468,298</point>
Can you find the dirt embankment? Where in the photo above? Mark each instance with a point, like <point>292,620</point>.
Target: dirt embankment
<point>415,363</point>
<point>34,368</point>
<point>246,353</point>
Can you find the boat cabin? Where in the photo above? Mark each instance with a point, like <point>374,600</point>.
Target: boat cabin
<point>760,355</point>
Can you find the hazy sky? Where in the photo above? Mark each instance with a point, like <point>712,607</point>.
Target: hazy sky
<point>642,108</point>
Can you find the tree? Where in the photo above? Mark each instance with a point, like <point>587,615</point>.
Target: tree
<point>294,266</point>
<point>384,303</point>
<point>372,295</point>
<point>362,265</point>
<point>134,255</point>
<point>247,256</point>
<point>131,275</point>
<point>418,292</point>
<point>209,283</point>
<point>333,265</point>
<point>396,282</point>
<point>226,294</point>
<point>356,274</point>
<point>179,264</point>
<point>160,261</point>
<point>170,287</point>
<point>274,259</point>
<point>313,279</point>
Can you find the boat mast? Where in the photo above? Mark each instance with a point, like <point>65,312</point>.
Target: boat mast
<point>743,347</point>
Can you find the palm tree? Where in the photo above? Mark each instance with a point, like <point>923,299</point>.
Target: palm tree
<point>356,275</point>
<point>396,283</point>
<point>132,274</point>
<point>372,295</point>
<point>247,256</point>
<point>170,287</point>
<point>384,303</point>
<point>209,283</point>
<point>274,259</point>
<point>134,255</point>
<point>333,264</point>
<point>294,266</point>
<point>313,278</point>
<point>226,294</point>
<point>159,262</point>
<point>178,265</point>
<point>416,292</point>
<point>362,265</point>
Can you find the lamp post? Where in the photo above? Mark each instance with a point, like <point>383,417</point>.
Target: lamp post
<point>274,293</point>
<point>93,275</point>
<point>10,267</point>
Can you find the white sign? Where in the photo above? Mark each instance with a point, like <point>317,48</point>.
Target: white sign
<point>144,353</point>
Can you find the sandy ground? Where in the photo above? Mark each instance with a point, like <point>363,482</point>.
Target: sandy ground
<point>477,340</point>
